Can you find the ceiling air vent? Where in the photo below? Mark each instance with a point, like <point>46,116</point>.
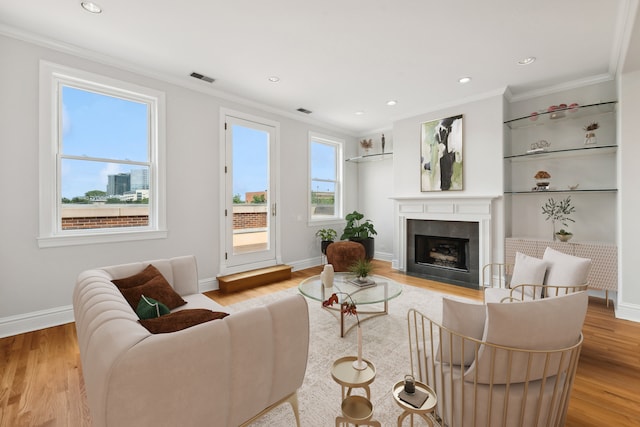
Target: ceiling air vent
<point>304,110</point>
<point>203,77</point>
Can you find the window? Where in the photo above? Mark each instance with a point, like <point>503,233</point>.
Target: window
<point>101,154</point>
<point>325,182</point>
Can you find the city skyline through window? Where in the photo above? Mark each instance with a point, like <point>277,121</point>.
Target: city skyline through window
<point>101,136</point>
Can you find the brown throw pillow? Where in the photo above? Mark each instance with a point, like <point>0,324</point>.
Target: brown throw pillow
<point>180,320</point>
<point>157,288</point>
<point>137,279</point>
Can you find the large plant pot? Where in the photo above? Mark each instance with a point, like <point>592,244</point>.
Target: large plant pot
<point>369,246</point>
<point>324,244</point>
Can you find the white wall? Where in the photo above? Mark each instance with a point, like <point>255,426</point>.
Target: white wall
<point>36,284</point>
<point>375,189</point>
<point>628,306</point>
<point>482,139</point>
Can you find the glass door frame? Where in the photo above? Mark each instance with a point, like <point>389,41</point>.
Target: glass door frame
<point>228,261</point>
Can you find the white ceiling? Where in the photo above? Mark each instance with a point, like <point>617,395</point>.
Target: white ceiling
<point>336,57</point>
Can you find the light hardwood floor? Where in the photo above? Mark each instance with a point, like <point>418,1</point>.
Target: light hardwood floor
<point>41,378</point>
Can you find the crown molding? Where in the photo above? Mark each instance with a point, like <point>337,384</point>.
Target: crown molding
<point>574,84</point>
<point>446,105</point>
<point>197,86</point>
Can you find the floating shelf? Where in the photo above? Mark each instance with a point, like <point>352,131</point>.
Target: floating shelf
<point>370,157</point>
<point>557,116</point>
<point>594,149</point>
<point>598,190</point>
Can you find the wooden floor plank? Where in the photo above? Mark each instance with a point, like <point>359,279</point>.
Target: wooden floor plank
<point>41,380</point>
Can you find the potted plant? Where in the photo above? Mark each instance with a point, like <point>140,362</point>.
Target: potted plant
<point>327,236</point>
<point>361,268</point>
<point>559,211</point>
<point>360,231</point>
<point>563,235</point>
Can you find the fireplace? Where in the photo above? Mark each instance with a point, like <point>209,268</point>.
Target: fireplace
<point>460,212</point>
<point>447,251</point>
<point>441,251</point>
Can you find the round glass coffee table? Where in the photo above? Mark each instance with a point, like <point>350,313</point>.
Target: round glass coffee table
<point>380,293</point>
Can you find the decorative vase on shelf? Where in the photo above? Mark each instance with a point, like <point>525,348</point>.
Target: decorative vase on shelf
<point>590,133</point>
<point>543,178</point>
<point>366,145</point>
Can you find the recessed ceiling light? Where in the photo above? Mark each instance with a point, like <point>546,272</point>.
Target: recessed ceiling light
<point>91,7</point>
<point>464,80</point>
<point>527,61</point>
<point>392,102</point>
<point>274,79</point>
<point>359,113</point>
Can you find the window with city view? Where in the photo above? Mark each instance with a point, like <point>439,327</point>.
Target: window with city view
<point>325,160</point>
<point>104,156</point>
<point>106,145</point>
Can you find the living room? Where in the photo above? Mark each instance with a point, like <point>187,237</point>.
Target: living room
<point>37,282</point>
<point>193,121</point>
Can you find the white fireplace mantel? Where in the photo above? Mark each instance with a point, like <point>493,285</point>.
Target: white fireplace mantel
<point>443,208</point>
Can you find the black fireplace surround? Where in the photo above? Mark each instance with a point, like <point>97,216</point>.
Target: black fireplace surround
<point>446,251</point>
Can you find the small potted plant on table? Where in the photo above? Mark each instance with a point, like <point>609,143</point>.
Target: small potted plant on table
<point>362,268</point>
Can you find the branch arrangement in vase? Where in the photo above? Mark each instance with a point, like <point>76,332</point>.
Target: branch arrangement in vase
<point>559,211</point>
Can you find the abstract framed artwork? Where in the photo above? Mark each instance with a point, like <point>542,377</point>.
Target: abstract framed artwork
<point>441,155</point>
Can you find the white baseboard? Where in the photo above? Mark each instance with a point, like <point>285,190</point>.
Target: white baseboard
<point>305,263</point>
<point>384,256</point>
<point>628,311</point>
<point>206,285</point>
<point>14,325</point>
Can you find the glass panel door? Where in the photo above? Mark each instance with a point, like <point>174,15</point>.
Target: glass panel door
<point>250,210</point>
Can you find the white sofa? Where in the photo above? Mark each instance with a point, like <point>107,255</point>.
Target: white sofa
<point>221,373</point>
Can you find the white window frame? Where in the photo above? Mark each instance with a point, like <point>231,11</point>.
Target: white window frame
<point>339,185</point>
<point>52,76</point>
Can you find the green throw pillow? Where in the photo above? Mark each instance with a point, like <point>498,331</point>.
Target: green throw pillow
<point>148,308</point>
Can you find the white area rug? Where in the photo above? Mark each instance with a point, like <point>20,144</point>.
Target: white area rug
<point>385,344</point>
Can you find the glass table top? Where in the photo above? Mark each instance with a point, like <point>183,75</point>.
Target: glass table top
<point>383,290</point>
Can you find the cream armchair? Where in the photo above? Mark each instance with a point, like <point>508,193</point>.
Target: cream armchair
<point>497,364</point>
<point>520,292</point>
<point>532,278</point>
